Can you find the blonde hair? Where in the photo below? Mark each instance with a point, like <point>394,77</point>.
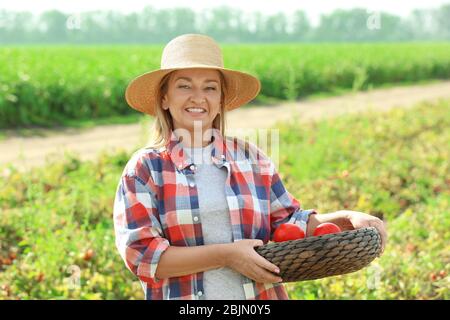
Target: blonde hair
<point>163,124</point>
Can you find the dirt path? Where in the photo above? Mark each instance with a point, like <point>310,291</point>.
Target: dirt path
<point>27,152</point>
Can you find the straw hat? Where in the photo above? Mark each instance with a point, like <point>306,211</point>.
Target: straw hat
<point>191,51</point>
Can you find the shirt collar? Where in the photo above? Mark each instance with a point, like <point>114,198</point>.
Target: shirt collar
<point>181,159</point>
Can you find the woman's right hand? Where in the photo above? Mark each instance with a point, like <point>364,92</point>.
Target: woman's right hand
<point>241,257</point>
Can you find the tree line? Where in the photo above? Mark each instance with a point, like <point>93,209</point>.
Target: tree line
<point>225,24</point>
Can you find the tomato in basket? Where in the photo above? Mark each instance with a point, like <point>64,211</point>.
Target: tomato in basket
<point>326,228</point>
<point>288,231</point>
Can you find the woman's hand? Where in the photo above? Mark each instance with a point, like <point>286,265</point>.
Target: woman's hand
<point>362,220</point>
<point>241,257</point>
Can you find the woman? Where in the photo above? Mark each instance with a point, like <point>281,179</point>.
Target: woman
<point>191,207</point>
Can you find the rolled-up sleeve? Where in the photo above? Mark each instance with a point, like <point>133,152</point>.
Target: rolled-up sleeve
<point>284,207</point>
<point>138,231</point>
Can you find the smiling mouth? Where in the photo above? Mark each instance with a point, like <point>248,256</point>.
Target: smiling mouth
<point>196,110</point>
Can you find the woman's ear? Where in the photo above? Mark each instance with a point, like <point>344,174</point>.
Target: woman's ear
<point>164,103</point>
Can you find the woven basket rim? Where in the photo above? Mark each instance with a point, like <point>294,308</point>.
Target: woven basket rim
<point>325,236</point>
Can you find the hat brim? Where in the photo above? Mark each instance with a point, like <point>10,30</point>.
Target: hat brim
<point>141,92</point>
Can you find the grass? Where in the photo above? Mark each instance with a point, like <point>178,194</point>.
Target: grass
<point>394,166</point>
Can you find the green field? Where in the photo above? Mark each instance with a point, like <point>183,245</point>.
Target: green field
<point>393,165</point>
<point>46,86</point>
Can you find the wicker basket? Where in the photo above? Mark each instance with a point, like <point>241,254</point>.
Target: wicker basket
<point>323,256</point>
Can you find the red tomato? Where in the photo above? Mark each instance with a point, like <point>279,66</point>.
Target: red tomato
<point>288,231</point>
<point>326,228</point>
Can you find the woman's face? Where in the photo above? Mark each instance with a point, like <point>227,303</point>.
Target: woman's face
<point>193,95</point>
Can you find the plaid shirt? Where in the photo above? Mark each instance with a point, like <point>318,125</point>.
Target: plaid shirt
<point>157,206</point>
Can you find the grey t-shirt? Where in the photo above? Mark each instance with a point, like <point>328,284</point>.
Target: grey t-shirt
<point>223,283</point>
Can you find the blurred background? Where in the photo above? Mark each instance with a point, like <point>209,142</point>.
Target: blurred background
<point>87,22</point>
<point>357,91</point>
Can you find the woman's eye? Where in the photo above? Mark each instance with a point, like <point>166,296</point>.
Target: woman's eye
<point>187,87</point>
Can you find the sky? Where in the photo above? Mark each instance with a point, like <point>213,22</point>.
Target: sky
<point>313,8</point>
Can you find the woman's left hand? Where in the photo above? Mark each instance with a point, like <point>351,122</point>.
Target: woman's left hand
<point>363,220</point>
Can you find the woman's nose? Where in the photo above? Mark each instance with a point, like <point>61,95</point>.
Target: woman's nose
<point>198,96</point>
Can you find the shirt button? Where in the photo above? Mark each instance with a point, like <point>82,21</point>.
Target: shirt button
<point>200,293</point>
<point>195,219</point>
<point>192,184</point>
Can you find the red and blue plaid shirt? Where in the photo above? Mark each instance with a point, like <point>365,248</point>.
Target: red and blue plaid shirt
<point>157,206</point>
